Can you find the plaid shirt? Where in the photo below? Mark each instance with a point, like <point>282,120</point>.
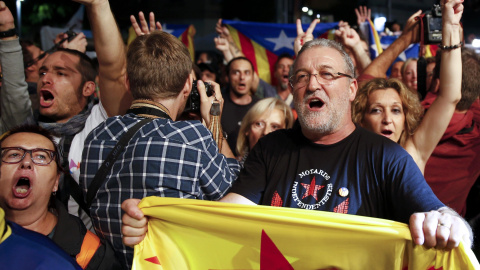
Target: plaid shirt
<point>164,158</point>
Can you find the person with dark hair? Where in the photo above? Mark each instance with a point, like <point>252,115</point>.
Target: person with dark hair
<point>65,86</point>
<point>396,71</point>
<point>282,86</point>
<point>33,58</point>
<point>239,97</point>
<point>30,170</point>
<point>166,157</point>
<point>209,72</point>
<point>431,63</point>
<point>453,166</point>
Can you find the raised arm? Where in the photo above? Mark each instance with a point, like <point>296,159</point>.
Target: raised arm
<point>363,14</point>
<point>143,28</point>
<point>436,119</point>
<point>379,66</point>
<point>223,46</point>
<point>111,57</point>
<point>15,102</point>
<point>223,32</point>
<point>303,37</point>
<point>79,42</point>
<point>351,40</point>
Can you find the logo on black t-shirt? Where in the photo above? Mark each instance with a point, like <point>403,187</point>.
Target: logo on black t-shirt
<point>311,189</point>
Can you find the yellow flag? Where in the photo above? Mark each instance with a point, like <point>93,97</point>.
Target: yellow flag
<point>195,234</point>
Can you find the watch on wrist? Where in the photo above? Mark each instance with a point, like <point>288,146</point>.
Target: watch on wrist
<point>9,33</point>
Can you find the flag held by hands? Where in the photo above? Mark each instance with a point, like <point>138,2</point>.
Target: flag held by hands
<point>196,234</point>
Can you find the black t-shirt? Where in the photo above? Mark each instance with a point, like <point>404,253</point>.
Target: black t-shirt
<point>231,120</point>
<point>364,174</point>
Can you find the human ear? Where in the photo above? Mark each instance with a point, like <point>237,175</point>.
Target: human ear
<point>353,89</point>
<point>88,88</point>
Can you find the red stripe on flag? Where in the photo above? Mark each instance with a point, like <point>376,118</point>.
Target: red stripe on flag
<point>247,49</point>
<point>187,41</point>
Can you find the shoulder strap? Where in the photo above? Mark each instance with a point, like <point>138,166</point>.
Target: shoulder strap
<point>90,244</point>
<point>107,165</point>
<point>76,192</point>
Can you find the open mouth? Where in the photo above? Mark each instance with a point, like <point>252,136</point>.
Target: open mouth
<point>46,98</point>
<point>22,188</point>
<point>315,103</point>
<point>241,86</point>
<point>387,132</point>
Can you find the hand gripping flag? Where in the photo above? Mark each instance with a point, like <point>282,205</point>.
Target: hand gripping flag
<point>196,234</point>
<point>262,43</point>
<point>184,32</point>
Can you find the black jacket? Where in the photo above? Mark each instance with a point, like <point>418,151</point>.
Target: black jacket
<point>69,234</point>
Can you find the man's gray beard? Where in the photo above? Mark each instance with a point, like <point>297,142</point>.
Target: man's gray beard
<point>323,123</point>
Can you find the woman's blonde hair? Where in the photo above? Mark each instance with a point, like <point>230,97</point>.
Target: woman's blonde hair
<point>262,106</point>
<point>412,108</point>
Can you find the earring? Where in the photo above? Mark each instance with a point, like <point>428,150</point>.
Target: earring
<point>54,193</point>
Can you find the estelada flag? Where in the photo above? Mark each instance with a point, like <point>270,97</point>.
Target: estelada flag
<point>196,234</point>
<point>262,43</point>
<point>184,32</point>
<point>374,40</point>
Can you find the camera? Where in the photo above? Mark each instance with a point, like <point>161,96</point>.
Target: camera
<point>71,35</point>
<point>193,101</point>
<point>432,25</point>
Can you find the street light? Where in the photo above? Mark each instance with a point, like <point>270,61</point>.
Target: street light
<point>476,43</point>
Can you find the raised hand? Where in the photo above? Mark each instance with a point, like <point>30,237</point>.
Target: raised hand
<point>6,18</point>
<point>412,28</point>
<point>79,42</point>
<point>221,29</point>
<point>363,14</point>
<point>346,35</point>
<point>452,11</point>
<point>143,28</point>
<point>303,37</point>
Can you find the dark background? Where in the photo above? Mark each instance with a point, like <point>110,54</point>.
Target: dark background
<point>203,14</point>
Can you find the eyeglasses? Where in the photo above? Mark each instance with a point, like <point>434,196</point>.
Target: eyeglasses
<point>302,78</point>
<point>13,155</point>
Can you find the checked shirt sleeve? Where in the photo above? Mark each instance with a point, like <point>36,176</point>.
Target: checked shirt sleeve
<point>218,172</point>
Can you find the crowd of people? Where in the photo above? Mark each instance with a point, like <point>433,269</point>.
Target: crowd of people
<point>74,167</point>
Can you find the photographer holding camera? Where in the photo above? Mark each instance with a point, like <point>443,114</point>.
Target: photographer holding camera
<point>165,157</point>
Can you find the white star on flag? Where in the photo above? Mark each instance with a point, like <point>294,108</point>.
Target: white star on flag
<point>282,41</point>
<point>164,29</point>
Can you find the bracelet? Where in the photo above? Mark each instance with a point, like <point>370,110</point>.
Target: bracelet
<point>9,33</point>
<point>452,47</point>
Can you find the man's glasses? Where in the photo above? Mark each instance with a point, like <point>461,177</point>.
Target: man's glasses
<point>302,78</point>
<point>39,156</point>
